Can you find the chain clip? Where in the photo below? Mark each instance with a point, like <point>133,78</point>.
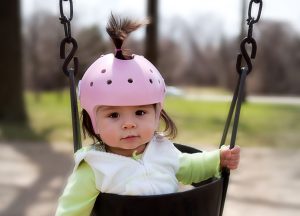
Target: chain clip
<point>66,22</point>
<point>249,40</point>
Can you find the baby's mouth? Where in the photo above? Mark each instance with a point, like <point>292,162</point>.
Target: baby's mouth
<point>129,137</point>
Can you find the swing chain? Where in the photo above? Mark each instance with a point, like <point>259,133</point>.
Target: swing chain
<point>66,22</point>
<point>69,71</point>
<point>249,39</point>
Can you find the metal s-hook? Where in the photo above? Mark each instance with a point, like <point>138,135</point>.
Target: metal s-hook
<point>66,21</point>
<point>245,55</point>
<point>249,40</point>
<point>70,55</point>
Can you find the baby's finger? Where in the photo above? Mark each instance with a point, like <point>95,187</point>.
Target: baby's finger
<point>233,164</point>
<point>234,157</point>
<point>235,150</point>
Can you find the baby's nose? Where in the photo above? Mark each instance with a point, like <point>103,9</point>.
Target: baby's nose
<point>128,125</point>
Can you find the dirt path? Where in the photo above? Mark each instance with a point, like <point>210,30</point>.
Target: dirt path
<point>267,183</point>
<point>32,176</point>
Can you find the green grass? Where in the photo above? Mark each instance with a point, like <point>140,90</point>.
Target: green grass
<point>51,115</point>
<point>260,124</point>
<point>198,122</point>
<point>49,119</point>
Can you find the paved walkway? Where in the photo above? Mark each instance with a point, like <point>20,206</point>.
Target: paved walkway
<point>32,176</point>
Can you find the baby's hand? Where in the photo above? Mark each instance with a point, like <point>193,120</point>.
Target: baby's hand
<point>230,158</point>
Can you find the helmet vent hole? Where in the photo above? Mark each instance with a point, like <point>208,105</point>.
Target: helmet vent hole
<point>159,81</point>
<point>109,82</point>
<point>151,70</point>
<point>103,70</point>
<point>150,80</point>
<point>130,80</point>
<point>91,84</point>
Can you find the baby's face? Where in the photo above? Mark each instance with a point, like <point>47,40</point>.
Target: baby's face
<point>125,129</point>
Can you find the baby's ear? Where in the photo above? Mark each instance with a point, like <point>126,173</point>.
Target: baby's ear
<point>158,109</point>
<point>97,131</point>
<point>157,120</point>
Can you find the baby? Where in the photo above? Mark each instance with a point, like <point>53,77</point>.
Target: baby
<point>122,100</point>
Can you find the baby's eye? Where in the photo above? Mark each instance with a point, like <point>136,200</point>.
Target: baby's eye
<point>140,112</point>
<point>114,115</point>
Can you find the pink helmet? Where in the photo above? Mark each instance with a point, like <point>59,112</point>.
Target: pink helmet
<point>114,82</point>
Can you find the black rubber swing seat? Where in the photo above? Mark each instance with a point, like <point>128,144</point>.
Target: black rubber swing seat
<point>205,199</point>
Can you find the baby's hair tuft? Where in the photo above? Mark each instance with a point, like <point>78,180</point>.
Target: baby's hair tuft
<point>119,29</point>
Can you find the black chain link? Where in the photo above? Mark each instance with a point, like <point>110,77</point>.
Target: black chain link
<point>250,11</point>
<point>249,39</point>
<point>66,21</point>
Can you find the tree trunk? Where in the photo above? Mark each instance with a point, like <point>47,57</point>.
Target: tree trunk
<point>11,83</point>
<point>151,32</point>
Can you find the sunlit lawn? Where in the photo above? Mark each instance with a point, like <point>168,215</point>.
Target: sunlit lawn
<point>260,124</point>
<point>198,122</point>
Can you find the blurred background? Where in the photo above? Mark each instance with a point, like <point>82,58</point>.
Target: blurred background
<point>194,44</point>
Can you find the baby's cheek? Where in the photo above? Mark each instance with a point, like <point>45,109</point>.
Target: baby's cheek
<point>149,132</point>
<point>107,134</point>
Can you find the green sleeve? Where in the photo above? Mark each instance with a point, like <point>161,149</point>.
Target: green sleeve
<point>198,167</point>
<point>80,193</point>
